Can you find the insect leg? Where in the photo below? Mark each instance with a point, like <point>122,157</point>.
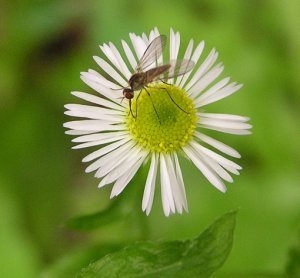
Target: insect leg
<point>136,102</point>
<point>152,104</point>
<point>174,101</point>
<point>131,109</point>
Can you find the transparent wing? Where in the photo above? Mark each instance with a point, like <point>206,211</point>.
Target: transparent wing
<point>177,68</point>
<point>152,53</point>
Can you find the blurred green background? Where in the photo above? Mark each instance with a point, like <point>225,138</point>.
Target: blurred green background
<point>43,47</point>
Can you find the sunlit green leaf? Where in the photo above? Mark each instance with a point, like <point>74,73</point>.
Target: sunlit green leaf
<point>199,257</point>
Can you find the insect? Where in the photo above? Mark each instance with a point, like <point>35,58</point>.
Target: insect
<point>143,75</point>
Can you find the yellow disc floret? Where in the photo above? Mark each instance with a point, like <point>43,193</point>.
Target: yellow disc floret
<point>164,118</point>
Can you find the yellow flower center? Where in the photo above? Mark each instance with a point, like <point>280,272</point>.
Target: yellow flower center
<point>164,118</point>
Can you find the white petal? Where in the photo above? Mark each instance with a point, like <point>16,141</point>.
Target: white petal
<point>89,108</point>
<point>116,171</point>
<point>217,144</point>
<point>110,71</point>
<point>215,96</point>
<point>186,56</point>
<point>105,150</point>
<point>180,181</point>
<point>98,100</point>
<point>195,58</point>
<point>79,132</point>
<point>204,67</point>
<point>138,45</point>
<point>211,176</point>
<point>229,117</point>
<point>96,125</point>
<point>98,136</point>
<point>150,185</point>
<point>117,167</point>
<point>178,194</point>
<point>99,87</point>
<point>99,142</point>
<point>126,178</point>
<point>216,167</point>
<point>227,130</point>
<point>129,55</point>
<point>97,77</point>
<point>223,123</point>
<point>218,158</point>
<point>166,184</point>
<point>109,119</point>
<point>209,77</point>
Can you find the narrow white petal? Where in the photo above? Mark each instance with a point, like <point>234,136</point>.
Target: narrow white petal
<point>178,193</point>
<point>97,77</point>
<point>117,168</point>
<point>105,150</point>
<point>166,183</point>
<point>98,100</point>
<point>218,158</point>
<point>79,132</point>
<point>98,136</point>
<point>138,45</point>
<point>215,88</point>
<point>205,66</point>
<point>129,55</point>
<point>223,123</point>
<point>150,185</point>
<point>110,71</point>
<point>218,95</point>
<point>209,77</point>
<point>145,39</point>
<point>187,56</point>
<point>216,167</point>
<point>89,108</point>
<point>195,57</point>
<point>217,144</point>
<point>99,87</point>
<point>109,119</point>
<point>108,159</point>
<point>227,130</point>
<point>208,173</point>
<point>123,68</point>
<point>99,142</point>
<point>126,178</point>
<point>96,125</point>
<point>180,181</point>
<point>229,117</point>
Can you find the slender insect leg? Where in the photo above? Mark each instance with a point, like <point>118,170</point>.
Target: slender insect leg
<point>165,82</point>
<point>131,109</point>
<point>152,104</point>
<point>174,101</point>
<point>137,102</point>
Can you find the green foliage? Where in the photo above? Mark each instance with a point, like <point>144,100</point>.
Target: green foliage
<point>293,266</point>
<point>199,257</point>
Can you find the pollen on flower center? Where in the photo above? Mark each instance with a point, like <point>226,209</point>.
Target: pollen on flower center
<point>165,119</point>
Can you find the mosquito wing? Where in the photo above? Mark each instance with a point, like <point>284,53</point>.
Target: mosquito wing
<point>176,68</point>
<point>152,53</point>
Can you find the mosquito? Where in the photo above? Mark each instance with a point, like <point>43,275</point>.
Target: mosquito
<point>144,76</point>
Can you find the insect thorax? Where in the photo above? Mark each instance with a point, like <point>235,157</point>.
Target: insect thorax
<point>137,81</point>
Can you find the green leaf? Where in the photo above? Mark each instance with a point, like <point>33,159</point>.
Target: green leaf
<point>96,220</point>
<point>199,257</point>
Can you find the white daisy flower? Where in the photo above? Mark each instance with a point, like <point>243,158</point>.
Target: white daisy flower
<point>167,119</point>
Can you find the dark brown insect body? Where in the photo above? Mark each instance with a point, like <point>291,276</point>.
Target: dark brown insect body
<point>142,77</point>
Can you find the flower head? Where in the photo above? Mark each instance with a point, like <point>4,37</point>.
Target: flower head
<point>164,118</point>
